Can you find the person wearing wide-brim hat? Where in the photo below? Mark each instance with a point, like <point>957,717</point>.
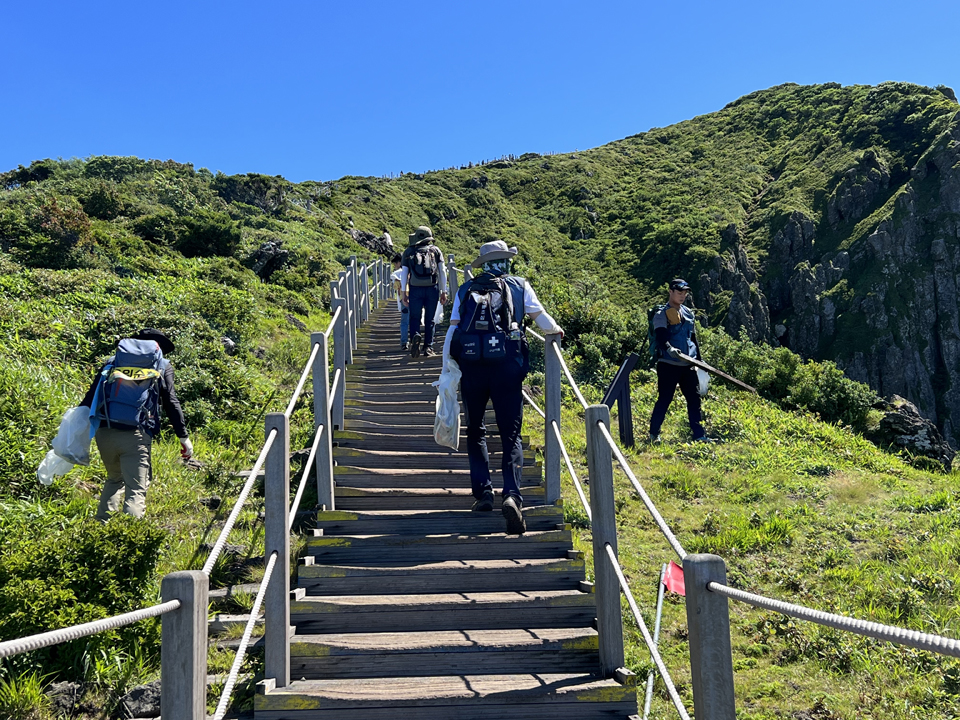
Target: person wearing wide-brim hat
<point>423,280</point>
<point>490,348</point>
<point>125,447</point>
<point>676,332</point>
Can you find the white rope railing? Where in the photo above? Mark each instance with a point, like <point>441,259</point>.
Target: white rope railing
<point>333,322</point>
<point>651,508</point>
<point>245,640</point>
<point>533,404</point>
<point>306,473</point>
<point>566,371</point>
<point>55,637</point>
<point>573,475</point>
<point>890,633</point>
<point>538,336</point>
<point>303,380</point>
<point>221,541</point>
<point>333,389</point>
<point>654,652</point>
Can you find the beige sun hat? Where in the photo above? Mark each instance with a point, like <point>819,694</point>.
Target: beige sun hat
<point>496,250</point>
<point>421,235</point>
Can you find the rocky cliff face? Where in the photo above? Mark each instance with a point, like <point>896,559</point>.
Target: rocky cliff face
<point>884,302</point>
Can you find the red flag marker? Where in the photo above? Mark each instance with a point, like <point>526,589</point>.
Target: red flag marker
<point>673,579</point>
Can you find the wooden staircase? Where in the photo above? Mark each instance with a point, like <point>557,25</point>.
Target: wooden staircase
<point>408,604</point>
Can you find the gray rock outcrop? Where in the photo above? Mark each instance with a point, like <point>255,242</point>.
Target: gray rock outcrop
<point>268,258</point>
<point>903,428</point>
<point>375,243</point>
<point>143,701</point>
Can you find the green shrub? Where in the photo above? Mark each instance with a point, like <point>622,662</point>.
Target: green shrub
<point>782,376</point>
<point>53,578</point>
<point>207,233</point>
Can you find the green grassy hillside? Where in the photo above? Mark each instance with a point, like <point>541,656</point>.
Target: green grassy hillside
<point>799,504</point>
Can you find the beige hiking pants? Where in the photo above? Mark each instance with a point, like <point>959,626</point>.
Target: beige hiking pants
<point>126,455</point>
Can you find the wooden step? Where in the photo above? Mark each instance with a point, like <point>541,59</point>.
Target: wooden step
<point>383,458</point>
<point>477,652</point>
<point>432,522</point>
<point>443,577</point>
<point>446,498</point>
<point>425,480</point>
<point>456,474</point>
<point>411,549</point>
<point>443,611</point>
<point>451,697</point>
<point>401,436</point>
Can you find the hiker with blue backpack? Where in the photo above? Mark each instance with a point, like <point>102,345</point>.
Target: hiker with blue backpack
<point>487,340</point>
<point>675,332</point>
<point>124,401</point>
<point>422,279</point>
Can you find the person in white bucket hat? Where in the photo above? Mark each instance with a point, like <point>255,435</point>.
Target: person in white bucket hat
<point>487,339</point>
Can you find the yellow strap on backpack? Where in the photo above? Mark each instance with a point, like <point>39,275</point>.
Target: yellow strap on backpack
<point>134,373</point>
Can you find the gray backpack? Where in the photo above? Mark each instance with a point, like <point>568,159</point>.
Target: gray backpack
<point>424,267</point>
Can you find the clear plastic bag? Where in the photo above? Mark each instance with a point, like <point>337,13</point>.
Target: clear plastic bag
<point>438,315</point>
<point>72,442</point>
<point>703,382</point>
<point>446,424</point>
<point>51,466</point>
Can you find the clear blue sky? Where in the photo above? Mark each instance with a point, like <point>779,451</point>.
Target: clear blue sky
<point>322,89</point>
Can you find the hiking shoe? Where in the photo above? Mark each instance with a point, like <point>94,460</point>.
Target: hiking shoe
<point>484,503</point>
<point>513,512</point>
<point>429,351</point>
<point>415,348</point>
<point>405,346</point>
<point>704,439</point>
<point>654,440</point>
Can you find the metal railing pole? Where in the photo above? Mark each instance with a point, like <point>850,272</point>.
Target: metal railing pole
<point>321,416</point>
<point>183,646</point>
<point>551,407</point>
<point>604,530</point>
<point>276,497</point>
<point>708,624</point>
<point>341,346</point>
<point>452,281</point>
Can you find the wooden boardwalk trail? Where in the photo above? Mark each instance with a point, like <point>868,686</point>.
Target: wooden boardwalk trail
<point>411,605</point>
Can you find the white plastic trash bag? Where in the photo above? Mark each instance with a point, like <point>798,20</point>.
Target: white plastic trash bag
<point>72,442</point>
<point>446,424</point>
<point>51,466</point>
<point>438,316</point>
<point>703,382</point>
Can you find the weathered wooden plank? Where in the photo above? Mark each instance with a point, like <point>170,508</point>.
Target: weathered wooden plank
<point>501,690</point>
<point>444,577</point>
<point>448,498</point>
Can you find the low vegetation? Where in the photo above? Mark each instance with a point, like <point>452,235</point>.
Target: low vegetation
<point>234,268</point>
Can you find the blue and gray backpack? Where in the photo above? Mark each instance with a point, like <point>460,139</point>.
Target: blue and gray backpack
<point>129,391</point>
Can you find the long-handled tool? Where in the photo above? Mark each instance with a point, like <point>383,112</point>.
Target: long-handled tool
<point>718,373</point>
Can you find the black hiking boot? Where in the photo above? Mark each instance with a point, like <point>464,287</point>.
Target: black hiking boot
<point>415,347</point>
<point>429,351</point>
<point>484,503</point>
<point>405,346</point>
<point>513,512</point>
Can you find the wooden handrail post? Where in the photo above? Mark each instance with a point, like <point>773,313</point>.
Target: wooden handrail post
<point>467,272</point>
<point>452,281</point>
<point>276,601</point>
<point>352,300</point>
<point>376,283</point>
<point>708,624</point>
<point>341,346</point>
<point>604,530</point>
<point>345,296</point>
<point>551,408</point>
<point>183,646</point>
<point>321,416</point>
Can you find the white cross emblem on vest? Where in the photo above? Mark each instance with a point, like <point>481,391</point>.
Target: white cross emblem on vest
<point>493,341</point>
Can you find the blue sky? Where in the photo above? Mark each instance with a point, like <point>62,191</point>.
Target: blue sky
<point>318,90</point>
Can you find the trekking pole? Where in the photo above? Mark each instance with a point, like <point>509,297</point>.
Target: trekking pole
<point>718,373</point>
<point>656,636</point>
